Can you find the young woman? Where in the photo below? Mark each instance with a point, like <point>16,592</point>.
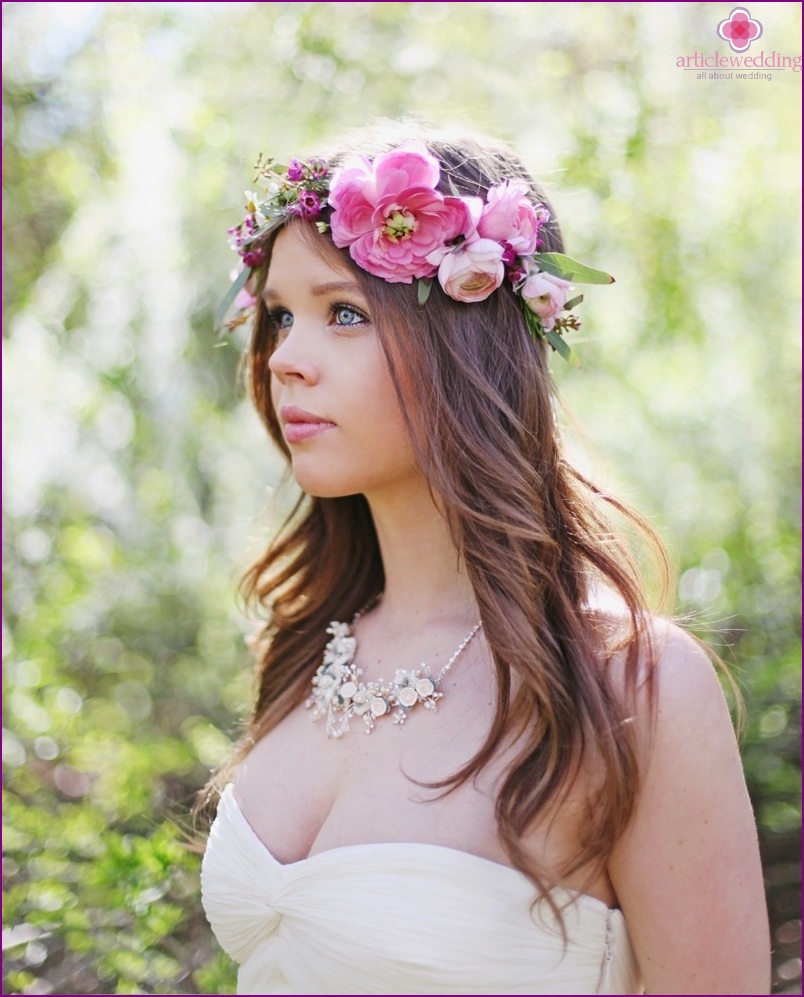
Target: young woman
<point>550,798</point>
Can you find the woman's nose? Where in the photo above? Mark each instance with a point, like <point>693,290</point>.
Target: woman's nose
<point>292,359</point>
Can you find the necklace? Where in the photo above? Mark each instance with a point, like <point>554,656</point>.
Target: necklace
<point>338,694</point>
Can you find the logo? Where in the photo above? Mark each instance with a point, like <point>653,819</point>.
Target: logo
<point>739,30</point>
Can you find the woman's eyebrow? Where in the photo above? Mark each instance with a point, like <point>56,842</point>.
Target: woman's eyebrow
<point>335,285</point>
<point>318,290</point>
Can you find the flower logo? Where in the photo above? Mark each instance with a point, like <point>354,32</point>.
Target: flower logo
<point>739,30</point>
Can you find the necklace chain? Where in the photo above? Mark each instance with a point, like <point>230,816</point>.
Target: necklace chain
<point>338,694</point>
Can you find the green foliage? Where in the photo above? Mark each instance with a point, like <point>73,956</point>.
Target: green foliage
<point>137,470</point>
<point>92,906</point>
<point>568,269</point>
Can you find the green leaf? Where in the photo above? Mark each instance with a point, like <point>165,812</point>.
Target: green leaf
<point>565,267</point>
<point>424,286</point>
<point>563,348</point>
<point>533,323</point>
<point>237,285</point>
<point>575,301</point>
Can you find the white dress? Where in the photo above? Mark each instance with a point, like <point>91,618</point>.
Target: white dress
<point>400,918</point>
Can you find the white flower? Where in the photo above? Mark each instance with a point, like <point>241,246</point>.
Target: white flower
<point>378,706</point>
<point>360,702</point>
<point>407,696</point>
<point>340,650</point>
<point>424,688</point>
<point>348,689</point>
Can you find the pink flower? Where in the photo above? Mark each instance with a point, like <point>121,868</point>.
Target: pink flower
<point>545,295</point>
<point>391,216</point>
<point>472,271</point>
<point>509,254</point>
<point>295,171</point>
<point>254,257</point>
<point>308,205</point>
<point>318,168</point>
<point>509,216</point>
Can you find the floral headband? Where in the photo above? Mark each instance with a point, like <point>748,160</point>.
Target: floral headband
<point>399,227</point>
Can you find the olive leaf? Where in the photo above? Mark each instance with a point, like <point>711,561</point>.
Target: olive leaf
<point>562,347</point>
<point>565,267</point>
<point>237,285</point>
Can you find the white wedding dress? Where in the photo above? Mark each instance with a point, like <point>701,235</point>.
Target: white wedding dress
<point>400,918</point>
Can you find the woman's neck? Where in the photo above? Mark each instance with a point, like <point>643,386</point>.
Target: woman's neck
<point>425,578</point>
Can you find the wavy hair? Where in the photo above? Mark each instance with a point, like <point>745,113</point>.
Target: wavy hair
<point>534,534</point>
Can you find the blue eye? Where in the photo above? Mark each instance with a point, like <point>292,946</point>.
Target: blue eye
<point>281,319</point>
<point>347,315</point>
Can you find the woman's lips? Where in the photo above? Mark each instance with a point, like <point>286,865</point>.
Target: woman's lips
<point>301,425</point>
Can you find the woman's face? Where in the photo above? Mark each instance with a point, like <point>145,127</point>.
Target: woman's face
<point>330,384</point>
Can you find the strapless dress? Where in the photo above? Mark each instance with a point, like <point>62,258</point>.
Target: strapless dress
<point>400,918</point>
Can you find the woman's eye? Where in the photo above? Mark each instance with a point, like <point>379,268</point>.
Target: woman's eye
<point>281,319</point>
<point>347,315</point>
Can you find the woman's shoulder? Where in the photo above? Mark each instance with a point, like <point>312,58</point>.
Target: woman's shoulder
<point>690,719</point>
<point>663,662</point>
<point>686,672</point>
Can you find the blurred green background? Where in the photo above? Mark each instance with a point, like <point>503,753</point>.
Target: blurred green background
<point>137,480</point>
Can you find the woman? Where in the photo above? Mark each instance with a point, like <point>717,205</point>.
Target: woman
<point>550,799</point>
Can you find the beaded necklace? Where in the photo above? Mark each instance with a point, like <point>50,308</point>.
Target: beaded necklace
<point>338,694</point>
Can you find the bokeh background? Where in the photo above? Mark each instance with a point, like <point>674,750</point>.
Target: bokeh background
<point>137,481</point>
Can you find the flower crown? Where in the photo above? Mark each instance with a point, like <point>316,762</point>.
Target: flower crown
<point>398,226</point>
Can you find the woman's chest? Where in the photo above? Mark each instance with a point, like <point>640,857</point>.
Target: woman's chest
<point>304,792</point>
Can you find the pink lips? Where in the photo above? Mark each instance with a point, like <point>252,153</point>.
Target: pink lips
<point>301,425</point>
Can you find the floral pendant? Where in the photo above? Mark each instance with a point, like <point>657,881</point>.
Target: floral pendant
<point>338,694</point>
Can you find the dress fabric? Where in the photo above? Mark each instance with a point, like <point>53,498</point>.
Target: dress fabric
<point>401,918</point>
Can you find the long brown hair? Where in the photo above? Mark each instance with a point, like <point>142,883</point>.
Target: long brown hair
<point>533,533</point>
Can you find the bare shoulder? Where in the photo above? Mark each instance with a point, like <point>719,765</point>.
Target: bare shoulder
<point>679,657</point>
<point>687,872</point>
<point>677,681</point>
<point>688,688</point>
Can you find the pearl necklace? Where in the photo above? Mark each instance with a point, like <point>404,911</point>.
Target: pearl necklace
<point>338,694</point>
